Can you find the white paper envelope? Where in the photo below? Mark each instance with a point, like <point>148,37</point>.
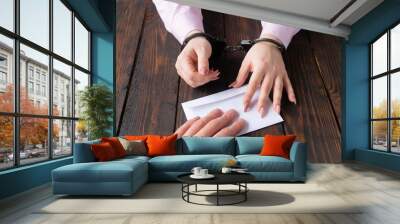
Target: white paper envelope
<point>233,99</point>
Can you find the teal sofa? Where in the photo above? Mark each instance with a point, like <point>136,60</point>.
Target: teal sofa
<point>125,176</point>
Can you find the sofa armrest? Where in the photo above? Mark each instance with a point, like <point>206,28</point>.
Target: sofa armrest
<point>83,152</point>
<point>298,155</point>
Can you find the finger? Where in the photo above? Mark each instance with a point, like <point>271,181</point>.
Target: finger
<point>254,83</point>
<point>192,77</point>
<point>277,96</point>
<point>232,130</point>
<point>289,89</point>
<point>217,124</point>
<point>183,128</point>
<point>265,89</point>
<point>200,123</point>
<point>202,61</point>
<point>242,75</point>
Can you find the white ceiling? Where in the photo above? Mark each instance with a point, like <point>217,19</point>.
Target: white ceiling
<point>320,9</point>
<point>315,15</point>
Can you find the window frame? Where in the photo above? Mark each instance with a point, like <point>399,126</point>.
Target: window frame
<point>16,115</point>
<point>388,74</point>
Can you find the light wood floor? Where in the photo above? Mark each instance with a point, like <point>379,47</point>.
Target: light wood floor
<point>377,188</point>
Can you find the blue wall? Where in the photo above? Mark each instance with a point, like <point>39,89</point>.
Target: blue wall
<point>99,15</point>
<point>24,178</point>
<point>356,85</point>
<point>103,62</point>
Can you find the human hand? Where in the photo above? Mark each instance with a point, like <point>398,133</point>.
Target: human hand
<point>192,63</point>
<point>265,62</point>
<point>215,124</point>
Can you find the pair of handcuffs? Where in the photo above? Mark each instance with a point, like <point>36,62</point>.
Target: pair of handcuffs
<point>219,46</point>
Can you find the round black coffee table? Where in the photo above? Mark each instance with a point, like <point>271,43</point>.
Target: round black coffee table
<point>238,179</point>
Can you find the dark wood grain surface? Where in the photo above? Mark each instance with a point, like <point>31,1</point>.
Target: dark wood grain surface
<point>150,93</point>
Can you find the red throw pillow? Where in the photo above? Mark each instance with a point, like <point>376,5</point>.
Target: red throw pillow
<point>277,145</point>
<point>103,152</point>
<point>116,145</point>
<point>135,137</point>
<point>161,145</point>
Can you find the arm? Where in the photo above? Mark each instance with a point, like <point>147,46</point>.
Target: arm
<point>192,63</point>
<point>179,20</point>
<point>283,34</point>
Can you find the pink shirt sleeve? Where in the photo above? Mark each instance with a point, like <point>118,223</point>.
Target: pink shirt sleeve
<point>283,33</point>
<point>179,20</point>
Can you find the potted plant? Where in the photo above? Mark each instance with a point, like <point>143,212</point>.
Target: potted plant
<point>96,103</point>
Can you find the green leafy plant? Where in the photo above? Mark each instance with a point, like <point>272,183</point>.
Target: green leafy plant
<point>96,102</point>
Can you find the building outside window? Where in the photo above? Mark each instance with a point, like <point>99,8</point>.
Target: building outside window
<point>385,91</point>
<point>56,127</point>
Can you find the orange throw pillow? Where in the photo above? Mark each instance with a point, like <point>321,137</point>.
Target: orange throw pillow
<point>161,145</point>
<point>135,137</point>
<point>116,145</point>
<point>103,152</point>
<point>277,145</point>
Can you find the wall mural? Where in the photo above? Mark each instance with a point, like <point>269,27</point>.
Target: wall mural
<point>152,80</point>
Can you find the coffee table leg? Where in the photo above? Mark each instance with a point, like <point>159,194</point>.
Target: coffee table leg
<point>245,193</point>
<point>195,188</point>
<point>217,194</point>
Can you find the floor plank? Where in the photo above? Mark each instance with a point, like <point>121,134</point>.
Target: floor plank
<point>375,189</point>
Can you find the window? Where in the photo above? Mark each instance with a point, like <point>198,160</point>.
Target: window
<point>3,78</point>
<point>30,87</point>
<point>41,123</point>
<point>3,72</point>
<point>44,91</point>
<point>385,91</point>
<point>38,72</point>
<point>3,61</point>
<point>30,72</point>
<point>37,89</point>
<point>6,85</point>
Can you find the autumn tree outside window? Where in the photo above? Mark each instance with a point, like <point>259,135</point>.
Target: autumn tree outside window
<point>44,64</point>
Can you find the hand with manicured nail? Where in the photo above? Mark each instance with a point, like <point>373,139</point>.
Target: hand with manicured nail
<point>265,62</point>
<point>192,63</point>
<point>215,124</point>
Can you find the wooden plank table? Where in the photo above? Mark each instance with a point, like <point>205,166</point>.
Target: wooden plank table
<point>150,93</point>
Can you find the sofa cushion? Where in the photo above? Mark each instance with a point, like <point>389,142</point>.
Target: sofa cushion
<point>185,163</point>
<point>116,145</point>
<point>161,145</point>
<point>277,145</point>
<point>207,145</point>
<point>113,171</point>
<point>134,147</point>
<point>83,152</point>
<point>249,145</point>
<point>103,152</point>
<point>257,163</point>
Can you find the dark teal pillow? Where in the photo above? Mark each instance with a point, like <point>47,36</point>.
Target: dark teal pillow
<point>249,145</point>
<point>208,145</point>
